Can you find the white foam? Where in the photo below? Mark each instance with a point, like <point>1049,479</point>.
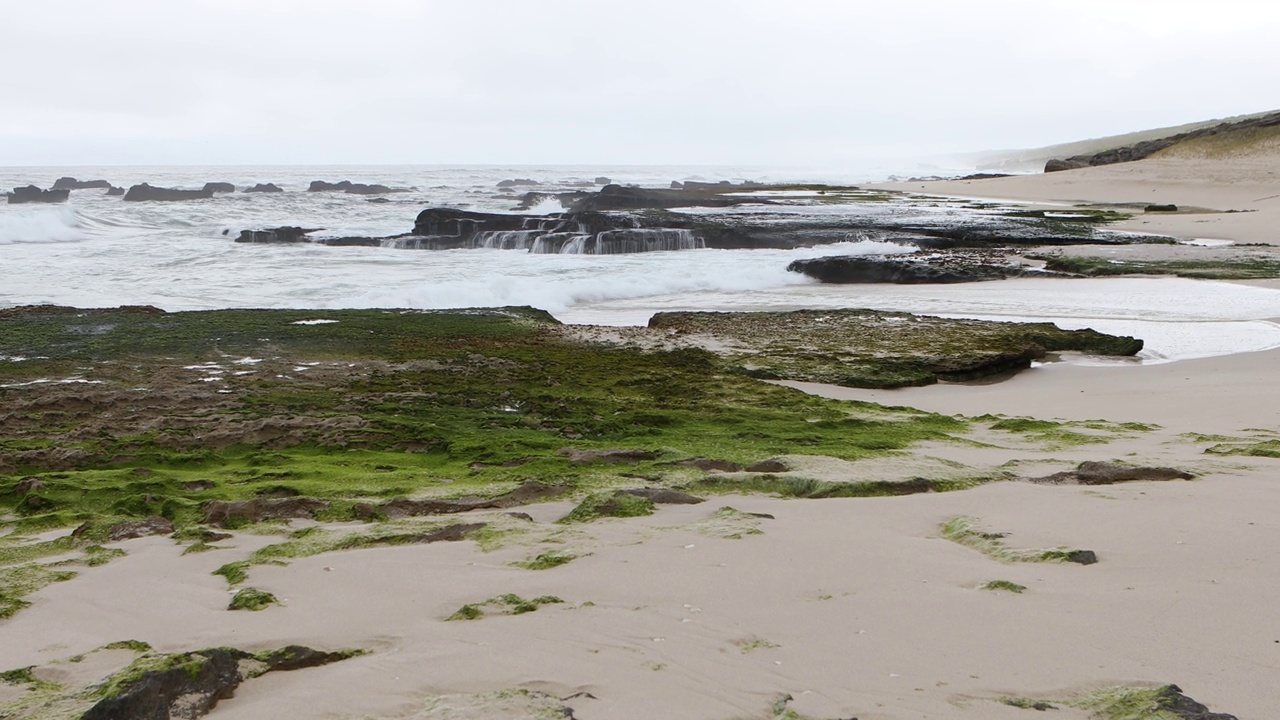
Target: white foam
<point>40,225</point>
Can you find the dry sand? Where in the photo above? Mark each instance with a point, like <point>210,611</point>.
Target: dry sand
<point>854,607</point>
<point>1228,198</point>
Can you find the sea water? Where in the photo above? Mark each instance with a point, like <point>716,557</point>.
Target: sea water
<point>99,251</point>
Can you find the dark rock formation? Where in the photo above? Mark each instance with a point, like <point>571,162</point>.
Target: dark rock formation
<point>229,513</point>
<point>602,180</point>
<point>1082,557</point>
<point>1056,165</point>
<point>582,457</point>
<point>1104,473</point>
<point>264,188</point>
<point>710,464</point>
<point>938,269</point>
<point>70,183</point>
<point>154,525</point>
<point>1147,148</point>
<point>772,465</point>
<point>347,186</point>
<point>517,182</point>
<point>523,495</point>
<point>276,235</point>
<point>677,185</point>
<point>33,194</point>
<point>115,191</point>
<point>664,496</point>
<point>620,197</point>
<point>1161,208</point>
<point>1171,700</point>
<point>187,686</point>
<point>145,192</point>
<point>219,187</point>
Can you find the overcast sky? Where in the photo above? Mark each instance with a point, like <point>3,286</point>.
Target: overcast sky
<point>760,82</point>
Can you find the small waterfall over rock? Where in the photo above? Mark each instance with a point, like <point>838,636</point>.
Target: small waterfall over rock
<point>505,239</point>
<point>613,242</point>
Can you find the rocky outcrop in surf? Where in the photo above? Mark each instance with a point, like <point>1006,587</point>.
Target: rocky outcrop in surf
<point>145,193</point>
<point>351,188</point>
<point>219,187</point>
<point>70,183</point>
<point>264,188</point>
<point>936,268</point>
<point>33,194</point>
<point>621,219</point>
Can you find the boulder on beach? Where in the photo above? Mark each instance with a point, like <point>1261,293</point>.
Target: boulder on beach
<point>219,187</point>
<point>145,192</point>
<point>1057,165</point>
<point>264,188</point>
<point>33,194</point>
<point>70,183</point>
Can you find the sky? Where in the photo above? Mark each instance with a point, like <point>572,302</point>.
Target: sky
<point>819,83</point>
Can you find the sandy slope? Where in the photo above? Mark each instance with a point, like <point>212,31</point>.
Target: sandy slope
<point>1204,187</point>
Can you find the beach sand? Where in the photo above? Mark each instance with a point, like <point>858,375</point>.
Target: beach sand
<point>854,607</point>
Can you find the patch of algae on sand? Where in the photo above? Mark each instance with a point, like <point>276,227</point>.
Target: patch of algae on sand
<point>964,530</point>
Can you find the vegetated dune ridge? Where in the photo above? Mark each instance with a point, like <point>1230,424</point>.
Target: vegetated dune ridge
<point>1226,187</point>
<point>1033,159</point>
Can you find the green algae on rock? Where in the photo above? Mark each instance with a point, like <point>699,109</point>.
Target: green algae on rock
<point>874,349</point>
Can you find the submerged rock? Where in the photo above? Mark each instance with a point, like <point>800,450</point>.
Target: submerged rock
<point>349,187</point>
<point>276,235</point>
<point>33,194</point>
<point>144,192</point>
<point>264,188</point>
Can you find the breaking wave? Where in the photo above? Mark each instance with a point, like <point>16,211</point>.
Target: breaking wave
<point>41,225</point>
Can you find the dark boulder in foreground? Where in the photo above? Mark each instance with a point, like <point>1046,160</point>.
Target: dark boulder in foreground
<point>33,194</point>
<point>349,187</point>
<point>70,183</point>
<point>145,192</point>
<point>940,269</point>
<point>264,188</point>
<point>219,187</point>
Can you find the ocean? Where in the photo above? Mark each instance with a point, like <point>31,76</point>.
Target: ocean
<point>98,251</point>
